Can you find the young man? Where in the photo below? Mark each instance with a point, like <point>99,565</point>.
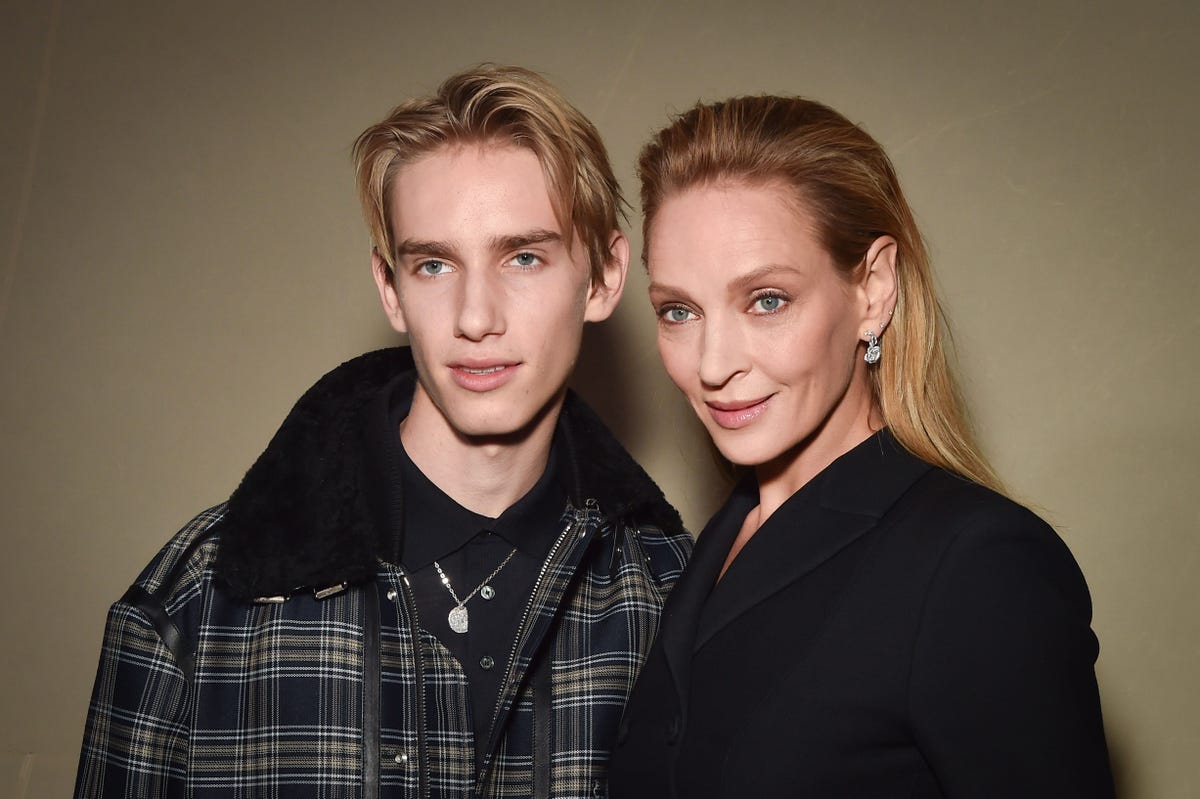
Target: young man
<point>442,576</point>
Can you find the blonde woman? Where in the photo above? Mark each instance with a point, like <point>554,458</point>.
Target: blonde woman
<point>868,615</point>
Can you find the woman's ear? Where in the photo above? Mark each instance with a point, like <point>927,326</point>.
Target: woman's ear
<point>879,286</point>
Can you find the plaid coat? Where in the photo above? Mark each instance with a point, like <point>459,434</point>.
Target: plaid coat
<point>248,658</point>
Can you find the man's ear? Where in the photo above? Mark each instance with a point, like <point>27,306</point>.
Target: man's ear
<point>385,281</point>
<point>603,297</point>
<point>879,287</point>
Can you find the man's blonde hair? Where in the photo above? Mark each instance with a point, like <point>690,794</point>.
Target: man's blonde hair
<point>505,105</point>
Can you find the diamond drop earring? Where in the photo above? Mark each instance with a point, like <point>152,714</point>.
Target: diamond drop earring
<point>873,348</point>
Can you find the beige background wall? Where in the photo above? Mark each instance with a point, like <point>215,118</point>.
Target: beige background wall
<point>182,255</point>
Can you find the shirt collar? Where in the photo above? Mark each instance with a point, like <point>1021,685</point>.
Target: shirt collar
<point>435,525</point>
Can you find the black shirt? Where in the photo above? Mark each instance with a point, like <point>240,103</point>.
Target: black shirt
<point>419,524</point>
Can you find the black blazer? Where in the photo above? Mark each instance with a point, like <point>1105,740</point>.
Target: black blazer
<point>890,631</point>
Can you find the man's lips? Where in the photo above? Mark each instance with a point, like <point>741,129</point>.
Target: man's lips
<point>481,375</point>
<point>739,413</point>
<point>485,370</point>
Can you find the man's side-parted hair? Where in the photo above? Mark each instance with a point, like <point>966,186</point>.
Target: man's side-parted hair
<point>843,178</point>
<point>493,104</point>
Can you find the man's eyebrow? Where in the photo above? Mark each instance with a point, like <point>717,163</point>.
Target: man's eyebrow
<point>442,249</point>
<point>519,240</point>
<point>436,249</point>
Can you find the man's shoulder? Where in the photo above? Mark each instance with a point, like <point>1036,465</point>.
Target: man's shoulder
<point>185,557</point>
<point>298,519</point>
<point>667,552</point>
<point>605,471</point>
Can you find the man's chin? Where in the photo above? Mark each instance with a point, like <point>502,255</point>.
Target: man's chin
<point>485,429</point>
<point>490,430</point>
<point>502,425</point>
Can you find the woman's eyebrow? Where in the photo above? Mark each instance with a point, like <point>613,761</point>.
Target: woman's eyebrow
<point>663,288</point>
<point>743,282</point>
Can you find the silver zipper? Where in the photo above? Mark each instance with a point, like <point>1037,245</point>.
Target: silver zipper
<point>512,656</point>
<point>410,601</point>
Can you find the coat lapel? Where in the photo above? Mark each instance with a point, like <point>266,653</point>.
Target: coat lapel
<point>677,629</point>
<point>836,508</point>
<point>783,551</point>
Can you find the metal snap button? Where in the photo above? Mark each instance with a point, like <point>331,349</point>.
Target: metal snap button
<point>487,592</point>
<point>486,663</point>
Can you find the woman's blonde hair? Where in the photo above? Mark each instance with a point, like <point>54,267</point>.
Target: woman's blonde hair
<point>492,104</point>
<point>846,182</point>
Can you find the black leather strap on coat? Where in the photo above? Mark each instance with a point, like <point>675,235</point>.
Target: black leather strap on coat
<point>370,690</point>
<point>543,726</point>
<point>180,646</point>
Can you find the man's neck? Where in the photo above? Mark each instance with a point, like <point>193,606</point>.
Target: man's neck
<point>484,476</point>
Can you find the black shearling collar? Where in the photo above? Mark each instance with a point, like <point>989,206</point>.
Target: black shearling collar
<point>299,518</point>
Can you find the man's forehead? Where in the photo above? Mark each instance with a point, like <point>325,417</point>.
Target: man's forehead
<point>464,163</point>
<point>473,194</point>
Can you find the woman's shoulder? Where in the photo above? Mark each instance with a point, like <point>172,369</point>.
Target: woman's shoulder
<point>970,529</point>
<point>882,477</point>
<point>965,505</point>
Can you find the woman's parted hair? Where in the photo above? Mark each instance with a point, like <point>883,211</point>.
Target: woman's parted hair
<point>846,182</point>
<point>492,104</point>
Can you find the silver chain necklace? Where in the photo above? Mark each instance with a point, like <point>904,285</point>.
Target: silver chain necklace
<point>458,613</point>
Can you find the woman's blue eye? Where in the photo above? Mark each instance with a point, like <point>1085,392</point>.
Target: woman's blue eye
<point>769,303</point>
<point>677,314</point>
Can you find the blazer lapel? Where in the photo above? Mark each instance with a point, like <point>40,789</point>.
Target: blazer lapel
<point>677,630</point>
<point>836,508</point>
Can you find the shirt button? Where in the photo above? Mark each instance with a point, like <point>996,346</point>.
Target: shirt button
<point>486,663</point>
<point>392,595</point>
<point>487,592</point>
<point>401,758</point>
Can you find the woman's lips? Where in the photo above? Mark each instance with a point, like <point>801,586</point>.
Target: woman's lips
<point>735,415</point>
<point>482,376</point>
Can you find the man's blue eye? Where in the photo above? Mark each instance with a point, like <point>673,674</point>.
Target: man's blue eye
<point>525,259</point>
<point>433,267</point>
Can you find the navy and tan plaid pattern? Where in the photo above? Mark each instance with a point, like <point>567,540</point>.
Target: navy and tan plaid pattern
<point>275,706</point>
<point>278,698</point>
<point>136,742</point>
<point>600,631</point>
